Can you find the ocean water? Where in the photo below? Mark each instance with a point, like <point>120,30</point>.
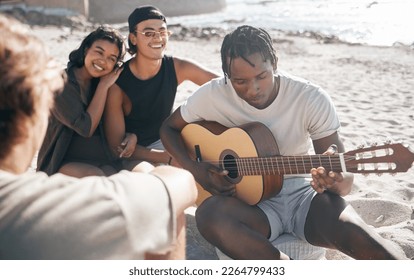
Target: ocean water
<point>381,22</point>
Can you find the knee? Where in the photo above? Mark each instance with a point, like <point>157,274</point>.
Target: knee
<point>81,170</point>
<point>332,221</point>
<point>93,171</point>
<point>324,217</point>
<point>208,214</point>
<point>328,206</point>
<point>205,211</point>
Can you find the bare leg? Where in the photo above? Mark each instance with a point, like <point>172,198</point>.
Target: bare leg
<point>239,230</point>
<point>334,224</point>
<point>79,170</point>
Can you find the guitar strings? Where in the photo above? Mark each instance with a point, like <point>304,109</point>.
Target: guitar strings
<point>281,165</point>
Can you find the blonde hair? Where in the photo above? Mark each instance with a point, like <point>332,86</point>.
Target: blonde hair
<point>28,76</point>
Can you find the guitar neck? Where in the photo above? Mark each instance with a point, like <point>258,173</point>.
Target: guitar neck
<point>215,142</point>
<point>280,165</point>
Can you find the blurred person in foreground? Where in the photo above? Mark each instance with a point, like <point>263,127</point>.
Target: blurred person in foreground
<point>129,215</point>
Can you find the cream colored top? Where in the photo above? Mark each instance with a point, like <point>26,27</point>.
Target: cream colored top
<point>60,217</point>
<point>301,112</point>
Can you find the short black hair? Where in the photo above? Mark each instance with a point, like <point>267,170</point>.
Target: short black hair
<point>244,41</point>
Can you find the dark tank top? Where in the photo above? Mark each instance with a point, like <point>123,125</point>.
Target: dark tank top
<point>152,100</point>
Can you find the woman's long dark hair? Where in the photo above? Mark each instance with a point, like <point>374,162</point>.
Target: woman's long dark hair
<point>104,32</point>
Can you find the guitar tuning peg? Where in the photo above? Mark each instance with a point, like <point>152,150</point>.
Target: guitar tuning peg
<point>379,174</point>
<point>366,174</point>
<point>361,146</point>
<point>393,174</point>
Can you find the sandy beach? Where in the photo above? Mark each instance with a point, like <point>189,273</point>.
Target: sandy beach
<point>372,88</point>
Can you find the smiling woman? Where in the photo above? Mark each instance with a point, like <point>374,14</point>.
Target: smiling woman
<point>74,143</point>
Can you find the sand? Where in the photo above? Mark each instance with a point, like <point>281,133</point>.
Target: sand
<point>371,88</point>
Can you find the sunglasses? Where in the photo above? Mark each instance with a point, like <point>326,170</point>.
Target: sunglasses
<point>152,34</point>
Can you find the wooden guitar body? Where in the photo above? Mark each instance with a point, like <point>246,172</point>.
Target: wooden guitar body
<point>221,144</point>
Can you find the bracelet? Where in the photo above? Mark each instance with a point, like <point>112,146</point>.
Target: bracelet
<point>169,162</point>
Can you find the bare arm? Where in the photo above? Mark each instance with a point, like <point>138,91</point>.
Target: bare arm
<point>192,71</point>
<point>183,193</point>
<point>339,183</point>
<point>170,134</point>
<point>97,105</point>
<point>114,122</point>
<point>179,182</point>
<point>154,156</point>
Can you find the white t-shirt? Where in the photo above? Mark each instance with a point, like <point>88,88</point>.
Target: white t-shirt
<point>302,111</point>
<point>60,217</point>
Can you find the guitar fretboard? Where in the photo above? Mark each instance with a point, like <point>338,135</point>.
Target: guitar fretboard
<point>287,164</point>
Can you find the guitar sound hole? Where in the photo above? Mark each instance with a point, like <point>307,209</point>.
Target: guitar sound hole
<point>230,165</point>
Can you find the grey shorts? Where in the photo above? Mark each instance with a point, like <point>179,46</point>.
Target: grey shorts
<point>156,145</point>
<point>287,211</point>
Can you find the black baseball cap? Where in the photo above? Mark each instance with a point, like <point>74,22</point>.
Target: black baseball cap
<point>144,13</point>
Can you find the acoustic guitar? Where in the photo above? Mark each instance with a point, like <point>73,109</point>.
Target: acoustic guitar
<point>250,154</point>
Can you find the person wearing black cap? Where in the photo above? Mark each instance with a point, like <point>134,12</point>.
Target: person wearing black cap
<point>143,96</point>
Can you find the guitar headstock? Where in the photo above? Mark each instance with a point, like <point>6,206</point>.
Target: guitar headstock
<point>387,158</point>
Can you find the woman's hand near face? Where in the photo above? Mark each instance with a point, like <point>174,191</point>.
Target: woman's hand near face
<point>109,79</point>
